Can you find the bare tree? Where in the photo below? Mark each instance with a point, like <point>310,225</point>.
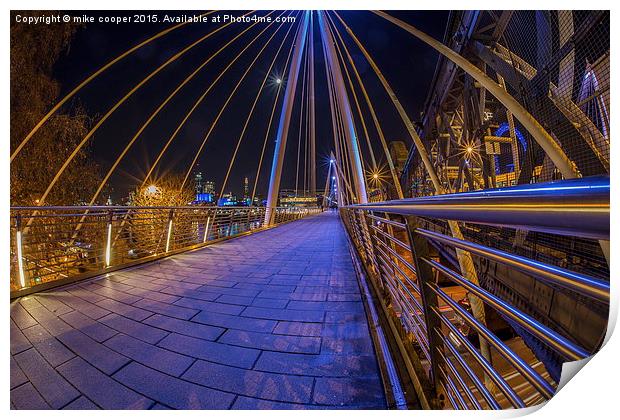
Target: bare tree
<point>35,49</point>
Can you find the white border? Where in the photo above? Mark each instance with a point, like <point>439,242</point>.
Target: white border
<point>591,395</point>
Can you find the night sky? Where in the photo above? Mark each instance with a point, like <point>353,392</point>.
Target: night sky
<point>407,63</point>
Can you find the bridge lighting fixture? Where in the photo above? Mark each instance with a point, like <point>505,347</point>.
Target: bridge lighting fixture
<point>278,80</point>
<point>20,259</point>
<point>168,235</point>
<point>108,246</point>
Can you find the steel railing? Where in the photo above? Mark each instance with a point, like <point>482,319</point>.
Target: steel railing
<point>414,267</point>
<point>55,245</point>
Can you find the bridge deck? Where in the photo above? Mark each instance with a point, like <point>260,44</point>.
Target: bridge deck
<point>270,320</point>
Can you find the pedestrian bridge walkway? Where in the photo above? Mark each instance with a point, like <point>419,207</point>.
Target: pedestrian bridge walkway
<point>272,320</point>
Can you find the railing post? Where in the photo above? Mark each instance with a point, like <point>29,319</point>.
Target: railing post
<point>206,234</point>
<point>108,242</point>
<point>20,255</point>
<point>169,233</point>
<point>425,275</point>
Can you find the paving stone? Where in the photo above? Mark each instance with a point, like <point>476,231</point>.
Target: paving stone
<point>208,350</point>
<point>179,291</point>
<point>266,288</point>
<point>84,294</point>
<point>221,308</point>
<point>326,306</point>
<point>315,297</point>
<point>237,322</point>
<point>94,329</point>
<point>251,383</point>
<point>81,305</point>
<point>20,316</point>
<point>307,329</point>
<point>111,293</point>
<point>159,406</point>
<point>284,314</point>
<point>82,403</point>
<point>17,376</point>
<point>153,295</point>
<point>191,328</point>
<point>233,291</point>
<point>344,317</point>
<point>25,397</point>
<point>49,321</point>
<point>261,352</point>
<point>171,391</point>
<point>349,391</point>
<point>100,388</point>
<point>133,328</point>
<point>48,346</point>
<point>150,355</point>
<point>269,303</point>
<point>17,340</point>
<point>53,305</point>
<point>127,311</point>
<point>98,355</point>
<point>235,300</point>
<point>174,311</point>
<point>344,297</point>
<point>274,342</point>
<point>317,365</point>
<point>54,389</point>
<point>248,403</point>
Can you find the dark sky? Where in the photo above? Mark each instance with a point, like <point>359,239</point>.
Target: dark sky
<point>407,63</point>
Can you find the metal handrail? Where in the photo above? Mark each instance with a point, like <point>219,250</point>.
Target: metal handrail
<point>61,244</point>
<point>578,207</point>
<point>564,210</point>
<point>580,283</point>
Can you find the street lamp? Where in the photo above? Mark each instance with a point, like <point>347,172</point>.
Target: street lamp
<point>152,189</point>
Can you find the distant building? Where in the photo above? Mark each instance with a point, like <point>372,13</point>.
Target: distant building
<point>291,198</point>
<point>209,187</point>
<point>228,200</point>
<point>198,183</point>
<point>246,189</point>
<point>398,153</point>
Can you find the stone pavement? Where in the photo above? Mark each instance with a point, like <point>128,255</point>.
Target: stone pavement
<point>272,320</point>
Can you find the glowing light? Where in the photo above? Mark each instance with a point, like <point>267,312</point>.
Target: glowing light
<point>331,161</point>
<point>20,260</point>
<point>168,237</point>
<point>108,246</point>
<point>375,176</point>
<point>204,239</point>
<point>278,80</point>
<point>333,177</point>
<point>152,189</point>
<point>469,149</point>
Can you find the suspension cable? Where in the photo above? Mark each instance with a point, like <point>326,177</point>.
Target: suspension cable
<point>301,102</point>
<point>90,79</point>
<point>229,98</point>
<point>273,110</point>
<point>371,108</point>
<point>159,108</point>
<point>357,104</point>
<point>116,106</point>
<point>247,121</point>
<point>200,99</point>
